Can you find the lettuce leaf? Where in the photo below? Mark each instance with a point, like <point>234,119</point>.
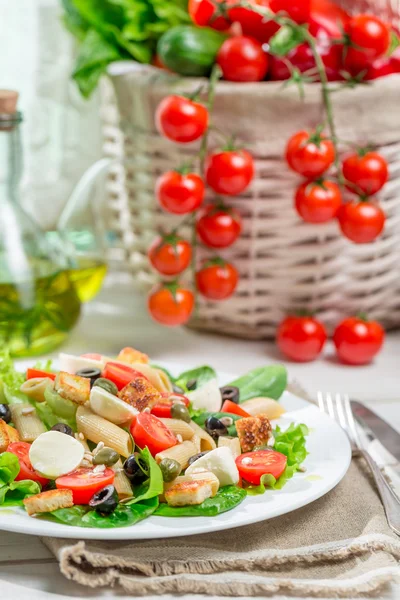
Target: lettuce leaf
<point>269,382</point>
<point>12,492</point>
<point>226,498</point>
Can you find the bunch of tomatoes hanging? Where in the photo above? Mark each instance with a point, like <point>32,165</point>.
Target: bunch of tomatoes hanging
<point>351,50</point>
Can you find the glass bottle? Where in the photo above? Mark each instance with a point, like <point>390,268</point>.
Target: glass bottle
<point>38,302</point>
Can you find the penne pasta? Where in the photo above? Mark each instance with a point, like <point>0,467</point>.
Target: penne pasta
<point>34,388</point>
<point>96,429</point>
<point>157,377</point>
<point>121,482</point>
<point>180,452</point>
<point>197,442</point>
<point>179,427</point>
<point>26,422</point>
<point>206,441</point>
<point>263,406</point>
<point>232,443</point>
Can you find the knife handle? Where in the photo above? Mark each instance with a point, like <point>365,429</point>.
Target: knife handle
<point>390,501</point>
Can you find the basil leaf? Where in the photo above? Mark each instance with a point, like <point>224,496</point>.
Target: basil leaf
<point>226,498</point>
<point>269,382</point>
<point>201,374</point>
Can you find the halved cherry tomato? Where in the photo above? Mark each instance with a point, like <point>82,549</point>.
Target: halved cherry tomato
<point>252,465</point>
<point>26,471</point>
<point>120,374</point>
<point>162,409</point>
<point>84,483</point>
<point>234,409</point>
<point>33,373</point>
<point>149,431</point>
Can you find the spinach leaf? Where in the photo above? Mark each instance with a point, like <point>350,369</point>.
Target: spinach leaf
<point>267,382</point>
<point>201,374</point>
<point>226,498</point>
<point>13,492</point>
<point>154,486</point>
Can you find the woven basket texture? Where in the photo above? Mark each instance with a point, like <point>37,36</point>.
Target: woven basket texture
<point>283,262</point>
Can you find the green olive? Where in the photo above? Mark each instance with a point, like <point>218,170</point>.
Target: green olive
<point>106,456</point>
<point>179,411</point>
<point>170,469</point>
<point>107,385</point>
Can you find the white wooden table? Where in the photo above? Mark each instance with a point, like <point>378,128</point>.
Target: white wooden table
<point>118,318</point>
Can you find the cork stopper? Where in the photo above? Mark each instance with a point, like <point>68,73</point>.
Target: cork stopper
<point>8,102</point>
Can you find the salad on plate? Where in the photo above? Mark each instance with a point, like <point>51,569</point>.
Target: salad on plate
<point>106,442</point>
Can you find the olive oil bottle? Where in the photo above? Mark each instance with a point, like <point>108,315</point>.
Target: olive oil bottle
<point>87,276</point>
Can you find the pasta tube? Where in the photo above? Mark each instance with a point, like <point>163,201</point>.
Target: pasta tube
<point>179,427</point>
<point>96,429</point>
<point>121,482</point>
<point>157,378</point>
<point>180,452</point>
<point>206,441</point>
<point>263,406</point>
<point>197,442</point>
<point>232,443</point>
<point>26,422</point>
<point>34,388</point>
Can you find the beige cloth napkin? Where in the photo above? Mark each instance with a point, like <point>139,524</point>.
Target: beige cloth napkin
<point>339,546</point>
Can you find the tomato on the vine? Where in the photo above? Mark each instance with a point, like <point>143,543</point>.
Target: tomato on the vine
<point>318,201</point>
<point>368,34</point>
<point>252,23</point>
<point>361,221</point>
<point>329,16</point>
<point>242,58</point>
<point>298,10</point>
<point>170,255</point>
<point>309,154</point>
<point>202,12</point>
<point>229,172</point>
<point>219,227</point>
<point>301,338</point>
<point>180,119</point>
<point>357,340</point>
<point>180,193</point>
<point>366,172</point>
<point>383,66</point>
<point>217,279</point>
<point>171,305</point>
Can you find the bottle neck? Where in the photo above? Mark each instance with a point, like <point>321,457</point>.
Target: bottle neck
<point>10,156</point>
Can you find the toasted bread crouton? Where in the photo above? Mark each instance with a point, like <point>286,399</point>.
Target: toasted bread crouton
<point>140,393</point>
<point>189,492</point>
<point>7,435</point>
<point>48,501</point>
<point>132,356</point>
<point>253,431</point>
<point>72,387</point>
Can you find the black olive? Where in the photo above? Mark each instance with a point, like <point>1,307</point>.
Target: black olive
<point>230,392</point>
<point>89,373</point>
<point>191,384</point>
<point>63,428</point>
<point>135,468</point>
<point>177,389</point>
<point>5,413</point>
<point>193,458</point>
<point>105,501</point>
<point>215,427</point>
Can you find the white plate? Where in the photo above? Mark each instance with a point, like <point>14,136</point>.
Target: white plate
<point>327,463</point>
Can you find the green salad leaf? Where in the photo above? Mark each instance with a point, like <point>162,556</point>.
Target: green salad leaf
<point>269,382</point>
<point>201,418</point>
<point>154,485</point>
<point>201,374</point>
<point>12,492</point>
<point>10,378</point>
<point>225,499</point>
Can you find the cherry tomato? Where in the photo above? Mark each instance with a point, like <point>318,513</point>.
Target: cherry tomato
<point>299,10</point>
<point>229,172</point>
<point>301,338</point>
<point>302,58</point>
<point>26,471</point>
<point>180,194</point>
<point>253,24</point>
<point>329,16</point>
<point>33,373</point>
<point>84,483</point>
<point>163,408</point>
<point>180,119</point>
<point>309,155</point>
<point>120,374</point>
<point>361,222</point>
<point>252,465</point>
<point>234,409</point>
<point>171,308</point>
<point>202,11</point>
<point>357,341</point>
<point>369,34</point>
<point>149,431</point>
<point>170,255</point>
<point>217,281</point>
<point>219,227</point>
<point>367,173</point>
<point>318,202</point>
<point>383,66</point>
<point>242,58</point>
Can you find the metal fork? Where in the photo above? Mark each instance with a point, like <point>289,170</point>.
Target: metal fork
<point>338,407</point>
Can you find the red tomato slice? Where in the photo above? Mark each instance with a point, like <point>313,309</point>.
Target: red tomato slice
<point>162,409</point>
<point>120,374</point>
<point>33,373</point>
<point>84,483</point>
<point>252,465</point>
<point>26,471</point>
<point>149,431</point>
<point>234,409</point>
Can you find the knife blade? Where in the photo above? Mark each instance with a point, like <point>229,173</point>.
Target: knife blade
<point>387,436</point>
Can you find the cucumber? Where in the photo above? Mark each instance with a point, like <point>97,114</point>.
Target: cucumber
<point>190,51</point>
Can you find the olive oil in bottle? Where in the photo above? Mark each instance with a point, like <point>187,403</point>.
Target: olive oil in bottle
<point>87,277</point>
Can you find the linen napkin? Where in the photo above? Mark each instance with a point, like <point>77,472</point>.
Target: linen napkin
<point>338,546</point>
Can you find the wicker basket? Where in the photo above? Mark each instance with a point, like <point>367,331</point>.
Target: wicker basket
<point>283,262</point>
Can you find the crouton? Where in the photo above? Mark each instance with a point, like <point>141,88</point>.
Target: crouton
<point>7,435</point>
<point>189,492</point>
<point>140,394</point>
<point>132,356</point>
<point>72,387</point>
<point>48,501</point>
<point>253,431</point>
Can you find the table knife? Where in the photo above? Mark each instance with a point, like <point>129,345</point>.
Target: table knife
<point>378,427</point>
